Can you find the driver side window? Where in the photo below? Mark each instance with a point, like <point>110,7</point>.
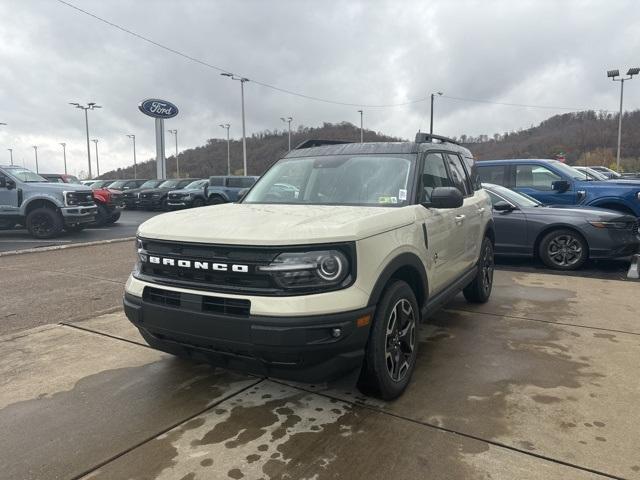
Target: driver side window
<point>434,174</point>
<point>535,176</point>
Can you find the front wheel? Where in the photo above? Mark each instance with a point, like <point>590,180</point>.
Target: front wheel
<point>216,200</point>
<point>44,223</point>
<point>479,290</point>
<point>114,218</point>
<point>563,249</point>
<point>102,216</point>
<point>197,202</point>
<point>393,345</point>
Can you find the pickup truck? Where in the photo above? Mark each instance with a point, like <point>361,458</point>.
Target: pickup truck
<point>226,189</point>
<point>45,209</point>
<point>555,183</point>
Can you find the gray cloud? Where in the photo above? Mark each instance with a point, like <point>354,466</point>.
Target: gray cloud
<point>375,52</point>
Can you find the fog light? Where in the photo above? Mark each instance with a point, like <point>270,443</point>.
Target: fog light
<point>336,332</point>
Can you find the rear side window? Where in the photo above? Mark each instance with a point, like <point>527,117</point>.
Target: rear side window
<point>493,174</point>
<point>458,175</point>
<point>535,176</point>
<point>472,170</point>
<point>216,182</point>
<point>240,182</point>
<point>434,174</point>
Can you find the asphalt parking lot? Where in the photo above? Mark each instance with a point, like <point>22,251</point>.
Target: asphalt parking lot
<point>541,382</point>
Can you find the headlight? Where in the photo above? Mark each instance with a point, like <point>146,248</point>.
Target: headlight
<point>304,270</point>
<point>600,224</point>
<point>72,199</point>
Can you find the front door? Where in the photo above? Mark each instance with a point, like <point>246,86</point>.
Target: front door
<point>537,181</point>
<point>8,196</point>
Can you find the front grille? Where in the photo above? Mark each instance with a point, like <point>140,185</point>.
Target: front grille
<point>176,196</point>
<point>216,305</point>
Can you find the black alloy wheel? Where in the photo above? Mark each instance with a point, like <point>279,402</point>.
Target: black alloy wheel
<point>479,290</point>
<point>44,223</point>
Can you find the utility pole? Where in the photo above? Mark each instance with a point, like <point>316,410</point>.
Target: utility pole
<point>361,127</point>
<point>431,122</point>
<point>227,125</point>
<point>612,74</point>
<point>244,135</point>
<point>288,120</point>
<point>88,106</point>
<point>135,166</point>
<point>174,132</point>
<point>95,140</point>
<point>64,156</point>
<point>35,149</point>
<point>11,154</point>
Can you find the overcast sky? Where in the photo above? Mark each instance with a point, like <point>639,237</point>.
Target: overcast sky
<point>549,53</point>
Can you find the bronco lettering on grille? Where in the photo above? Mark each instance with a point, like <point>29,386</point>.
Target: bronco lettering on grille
<point>197,265</point>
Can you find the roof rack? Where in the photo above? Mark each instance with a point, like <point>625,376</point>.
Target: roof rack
<point>317,143</point>
<point>430,137</point>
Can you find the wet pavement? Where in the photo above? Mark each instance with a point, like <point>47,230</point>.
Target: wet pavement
<point>539,383</point>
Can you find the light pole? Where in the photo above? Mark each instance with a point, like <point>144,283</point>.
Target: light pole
<point>227,125</point>
<point>64,155</point>
<point>244,135</point>
<point>361,129</point>
<point>431,122</point>
<point>11,154</point>
<point>35,149</point>
<point>135,166</point>
<point>174,132</point>
<point>612,74</point>
<point>88,106</point>
<point>95,140</point>
<point>288,120</point>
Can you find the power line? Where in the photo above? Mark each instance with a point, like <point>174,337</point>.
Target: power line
<point>298,94</point>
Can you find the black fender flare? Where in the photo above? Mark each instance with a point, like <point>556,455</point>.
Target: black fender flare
<point>402,261</point>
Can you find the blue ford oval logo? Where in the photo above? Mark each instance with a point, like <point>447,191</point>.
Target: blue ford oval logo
<point>157,108</point>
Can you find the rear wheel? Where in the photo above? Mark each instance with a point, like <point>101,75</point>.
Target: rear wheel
<point>44,222</point>
<point>563,249</point>
<point>479,290</point>
<point>392,348</point>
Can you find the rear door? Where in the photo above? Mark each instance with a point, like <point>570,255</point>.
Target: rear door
<point>537,181</point>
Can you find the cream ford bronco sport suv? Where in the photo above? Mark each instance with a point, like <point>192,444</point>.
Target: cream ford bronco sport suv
<point>326,265</point>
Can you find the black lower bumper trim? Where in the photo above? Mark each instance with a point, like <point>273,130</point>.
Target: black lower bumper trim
<point>306,349</point>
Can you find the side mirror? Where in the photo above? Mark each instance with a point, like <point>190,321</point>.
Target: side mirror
<point>3,182</point>
<point>560,186</point>
<point>242,193</point>
<point>446,197</point>
<point>7,183</point>
<point>503,206</point>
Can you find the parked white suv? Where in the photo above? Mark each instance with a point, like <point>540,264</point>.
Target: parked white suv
<point>327,264</point>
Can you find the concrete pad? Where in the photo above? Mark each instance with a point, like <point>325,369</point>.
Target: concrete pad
<point>276,431</point>
<point>113,324</point>
<point>567,393</point>
<point>70,400</point>
<point>608,304</point>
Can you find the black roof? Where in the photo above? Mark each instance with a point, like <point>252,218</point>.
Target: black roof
<point>375,148</point>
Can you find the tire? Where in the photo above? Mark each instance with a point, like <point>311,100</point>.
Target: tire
<point>197,202</point>
<point>164,205</point>
<point>563,249</point>
<point>391,353</point>
<point>44,223</point>
<point>479,290</point>
<point>216,200</point>
<point>102,216</point>
<point>114,218</point>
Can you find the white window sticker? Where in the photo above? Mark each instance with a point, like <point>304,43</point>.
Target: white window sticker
<point>402,194</point>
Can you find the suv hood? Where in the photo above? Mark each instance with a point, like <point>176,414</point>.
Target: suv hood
<point>55,187</point>
<point>154,190</point>
<point>254,224</point>
<point>625,185</point>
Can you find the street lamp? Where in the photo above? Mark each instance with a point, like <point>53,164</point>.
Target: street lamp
<point>612,74</point>
<point>244,136</point>
<point>288,120</point>
<point>35,149</point>
<point>175,133</point>
<point>431,123</point>
<point>11,154</point>
<point>361,130</point>
<point>95,140</point>
<point>227,125</point>
<point>64,155</point>
<point>88,106</point>
<point>135,166</point>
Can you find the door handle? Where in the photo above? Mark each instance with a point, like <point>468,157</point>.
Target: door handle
<point>481,210</point>
<point>460,218</point>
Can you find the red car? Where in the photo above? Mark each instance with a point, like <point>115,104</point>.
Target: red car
<point>110,204</point>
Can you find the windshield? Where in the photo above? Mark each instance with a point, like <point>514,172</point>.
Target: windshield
<point>25,175</point>
<point>117,185</point>
<point>366,180</point>
<point>569,171</point>
<point>589,174</point>
<point>150,184</point>
<point>518,199</point>
<point>72,179</point>
<point>197,184</point>
<point>168,184</point>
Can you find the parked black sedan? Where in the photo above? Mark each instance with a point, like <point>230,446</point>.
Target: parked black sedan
<point>563,238</point>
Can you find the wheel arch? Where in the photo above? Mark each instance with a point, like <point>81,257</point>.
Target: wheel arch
<point>490,231</point>
<point>39,203</point>
<point>615,204</point>
<point>408,267</point>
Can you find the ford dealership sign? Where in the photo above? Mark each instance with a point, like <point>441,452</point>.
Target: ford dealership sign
<point>157,108</point>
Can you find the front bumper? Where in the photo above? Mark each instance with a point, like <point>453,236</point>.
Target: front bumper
<point>149,202</point>
<point>612,243</point>
<point>176,204</point>
<point>300,348</point>
<point>78,215</point>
